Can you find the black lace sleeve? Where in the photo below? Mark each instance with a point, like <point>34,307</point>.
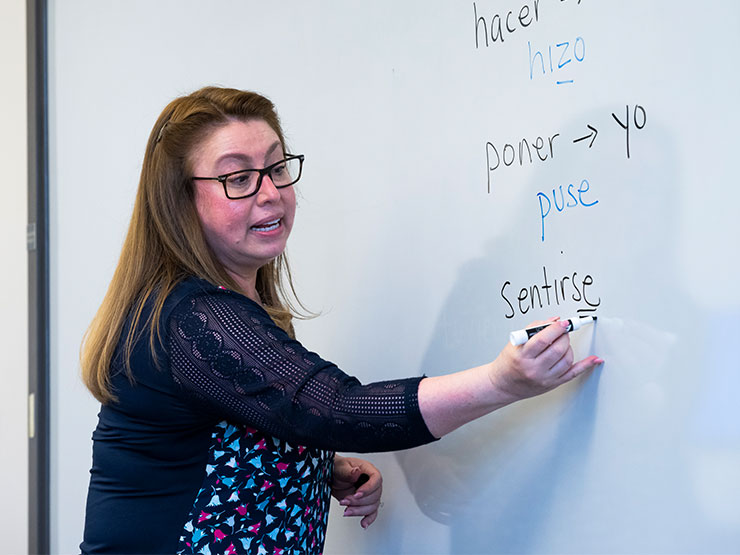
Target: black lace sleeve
<point>226,352</point>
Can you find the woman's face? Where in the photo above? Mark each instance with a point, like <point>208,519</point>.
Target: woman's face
<point>244,234</point>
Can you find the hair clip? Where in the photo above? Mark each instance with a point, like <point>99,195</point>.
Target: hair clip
<point>161,132</point>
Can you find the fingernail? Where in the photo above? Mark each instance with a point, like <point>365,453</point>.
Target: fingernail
<point>599,361</point>
<point>564,323</point>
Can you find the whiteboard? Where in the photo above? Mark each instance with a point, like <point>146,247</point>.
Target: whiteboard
<point>436,136</point>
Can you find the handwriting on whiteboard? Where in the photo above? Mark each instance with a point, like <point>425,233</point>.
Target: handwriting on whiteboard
<point>556,59</point>
<point>539,150</point>
<point>494,28</point>
<point>557,198</point>
<point>570,287</point>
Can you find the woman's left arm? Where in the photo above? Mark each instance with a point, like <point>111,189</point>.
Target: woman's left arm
<point>357,485</point>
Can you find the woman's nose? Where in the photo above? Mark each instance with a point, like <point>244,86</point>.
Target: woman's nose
<point>268,192</point>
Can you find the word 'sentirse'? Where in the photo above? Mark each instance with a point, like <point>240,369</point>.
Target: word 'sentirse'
<point>569,287</point>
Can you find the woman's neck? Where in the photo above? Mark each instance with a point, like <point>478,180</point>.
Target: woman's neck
<point>247,283</point>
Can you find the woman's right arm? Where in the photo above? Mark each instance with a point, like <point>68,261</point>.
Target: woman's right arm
<point>232,360</point>
<point>541,364</point>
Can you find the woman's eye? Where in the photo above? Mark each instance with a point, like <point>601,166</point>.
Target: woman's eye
<point>241,180</point>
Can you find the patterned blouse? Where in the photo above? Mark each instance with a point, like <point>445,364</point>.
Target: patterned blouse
<point>224,440</point>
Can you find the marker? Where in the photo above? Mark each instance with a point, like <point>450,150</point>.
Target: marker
<point>520,337</point>
<point>361,480</point>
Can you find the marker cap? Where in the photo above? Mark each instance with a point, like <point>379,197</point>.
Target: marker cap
<point>518,337</point>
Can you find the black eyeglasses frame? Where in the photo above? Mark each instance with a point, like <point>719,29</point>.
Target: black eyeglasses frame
<point>262,173</point>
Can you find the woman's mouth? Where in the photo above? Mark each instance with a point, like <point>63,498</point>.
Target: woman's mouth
<point>267,226</point>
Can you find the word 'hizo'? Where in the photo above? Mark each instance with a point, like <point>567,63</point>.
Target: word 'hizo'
<point>538,296</point>
<point>565,202</point>
<point>564,55</point>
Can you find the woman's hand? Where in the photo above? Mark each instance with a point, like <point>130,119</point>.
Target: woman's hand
<point>539,365</point>
<point>359,496</point>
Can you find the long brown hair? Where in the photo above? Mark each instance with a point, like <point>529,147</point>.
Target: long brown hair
<point>165,242</point>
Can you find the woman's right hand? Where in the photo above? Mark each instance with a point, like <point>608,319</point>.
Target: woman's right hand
<point>539,365</point>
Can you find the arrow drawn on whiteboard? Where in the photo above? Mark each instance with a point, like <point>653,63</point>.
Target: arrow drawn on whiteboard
<point>592,134</point>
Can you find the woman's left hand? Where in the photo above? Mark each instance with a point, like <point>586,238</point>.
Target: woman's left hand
<point>359,500</point>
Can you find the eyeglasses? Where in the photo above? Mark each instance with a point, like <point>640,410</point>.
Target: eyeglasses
<point>246,183</point>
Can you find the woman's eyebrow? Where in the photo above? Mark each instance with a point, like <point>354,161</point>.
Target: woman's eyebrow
<point>275,145</point>
<point>246,158</point>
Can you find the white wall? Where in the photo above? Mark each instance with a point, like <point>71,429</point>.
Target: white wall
<point>13,280</point>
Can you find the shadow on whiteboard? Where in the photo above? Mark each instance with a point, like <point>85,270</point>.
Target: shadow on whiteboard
<point>624,459</point>
<point>499,483</point>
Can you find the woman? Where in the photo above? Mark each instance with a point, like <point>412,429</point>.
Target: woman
<point>217,430</point>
